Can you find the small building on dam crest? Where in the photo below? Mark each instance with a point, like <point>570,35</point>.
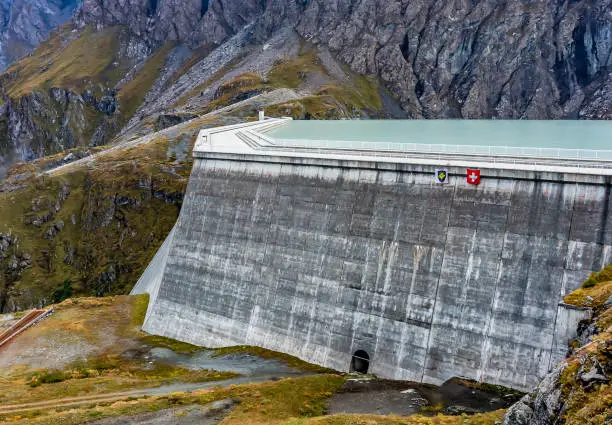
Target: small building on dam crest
<point>358,249</point>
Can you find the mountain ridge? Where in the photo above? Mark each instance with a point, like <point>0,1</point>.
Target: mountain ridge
<point>487,59</point>
<point>24,24</point>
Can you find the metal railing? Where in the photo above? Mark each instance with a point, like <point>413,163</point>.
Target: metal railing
<point>579,158</point>
<point>478,150</point>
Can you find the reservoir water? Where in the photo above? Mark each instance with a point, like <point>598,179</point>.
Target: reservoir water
<point>571,139</point>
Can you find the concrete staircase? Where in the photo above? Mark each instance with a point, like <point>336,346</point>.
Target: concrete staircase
<point>24,323</point>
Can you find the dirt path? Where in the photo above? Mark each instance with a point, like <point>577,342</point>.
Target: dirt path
<point>111,397</point>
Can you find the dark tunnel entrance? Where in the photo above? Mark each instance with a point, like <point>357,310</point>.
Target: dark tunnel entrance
<point>360,362</point>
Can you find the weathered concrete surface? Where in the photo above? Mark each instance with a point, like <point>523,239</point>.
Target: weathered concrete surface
<point>432,281</point>
<point>150,280</point>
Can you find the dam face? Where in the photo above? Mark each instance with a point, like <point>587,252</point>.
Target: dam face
<point>322,258</point>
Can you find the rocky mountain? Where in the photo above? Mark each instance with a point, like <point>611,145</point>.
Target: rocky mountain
<point>25,23</point>
<point>477,59</point>
<point>114,73</point>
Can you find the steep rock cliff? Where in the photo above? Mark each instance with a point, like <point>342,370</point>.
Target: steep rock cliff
<point>578,390</point>
<point>481,59</point>
<point>25,23</point>
<point>53,120</point>
<point>64,95</point>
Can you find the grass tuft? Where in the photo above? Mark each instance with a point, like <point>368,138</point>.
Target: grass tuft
<point>172,344</point>
<point>604,275</point>
<point>140,303</point>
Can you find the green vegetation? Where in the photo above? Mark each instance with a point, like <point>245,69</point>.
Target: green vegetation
<point>478,419</point>
<point>237,89</point>
<point>87,61</point>
<point>110,325</point>
<point>352,98</point>
<point>292,72</point>
<point>604,275</point>
<point>47,377</point>
<point>172,344</point>
<point>590,295</point>
<point>63,292</point>
<point>115,366</point>
<point>140,303</point>
<point>259,404</point>
<point>115,216</point>
<point>590,404</point>
<point>299,401</point>
<point>431,409</point>
<point>333,102</point>
<point>291,361</point>
<point>98,331</point>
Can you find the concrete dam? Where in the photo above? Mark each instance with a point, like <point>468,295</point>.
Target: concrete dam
<point>359,259</point>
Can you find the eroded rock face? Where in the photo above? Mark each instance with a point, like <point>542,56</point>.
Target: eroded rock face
<point>195,22</point>
<point>509,59</point>
<point>540,407</point>
<point>47,122</point>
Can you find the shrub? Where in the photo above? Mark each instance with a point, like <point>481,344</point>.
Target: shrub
<point>589,283</point>
<point>63,292</point>
<point>104,363</point>
<point>47,377</point>
<point>605,275</point>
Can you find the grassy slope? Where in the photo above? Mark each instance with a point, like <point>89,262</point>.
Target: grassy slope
<point>339,100</point>
<point>70,60</point>
<point>133,93</point>
<point>299,401</point>
<point>87,60</point>
<point>90,334</point>
<point>122,209</point>
<point>111,326</point>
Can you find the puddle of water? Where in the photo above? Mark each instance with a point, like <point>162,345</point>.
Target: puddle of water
<point>357,396</point>
<point>375,396</point>
<point>243,364</point>
<point>458,398</point>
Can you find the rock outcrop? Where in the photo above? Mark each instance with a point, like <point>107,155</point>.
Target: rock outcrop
<point>577,389</point>
<point>46,122</point>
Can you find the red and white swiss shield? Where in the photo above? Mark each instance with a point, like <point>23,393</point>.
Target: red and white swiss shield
<point>473,176</point>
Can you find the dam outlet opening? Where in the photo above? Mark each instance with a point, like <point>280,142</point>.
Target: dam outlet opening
<point>360,362</point>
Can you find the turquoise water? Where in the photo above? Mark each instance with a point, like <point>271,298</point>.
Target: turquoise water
<point>591,135</point>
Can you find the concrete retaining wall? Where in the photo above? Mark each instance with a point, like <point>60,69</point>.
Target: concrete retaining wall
<point>319,260</point>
